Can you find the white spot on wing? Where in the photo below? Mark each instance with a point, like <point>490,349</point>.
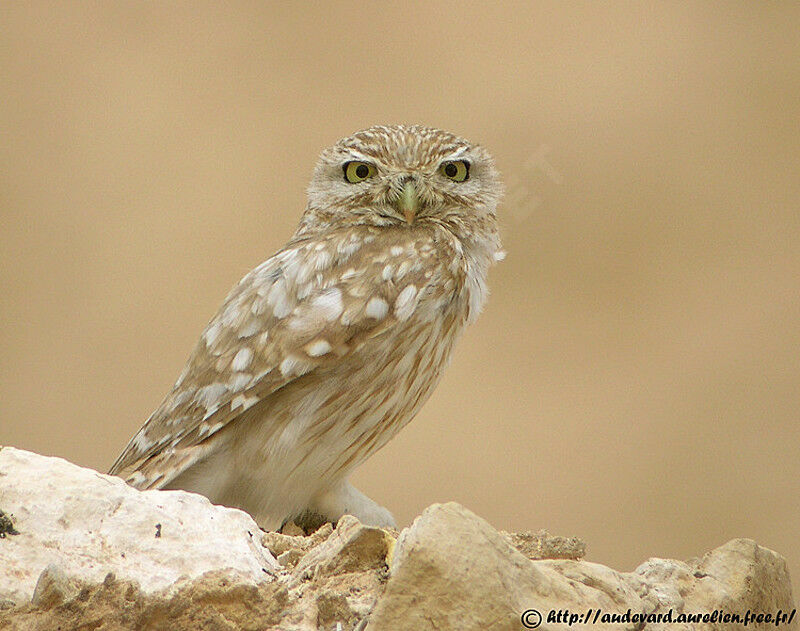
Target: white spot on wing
<point>292,366</point>
<point>175,420</point>
<point>239,381</point>
<point>209,395</point>
<point>350,247</point>
<point>179,399</point>
<point>141,442</point>
<point>405,302</point>
<point>304,290</point>
<point>207,430</point>
<point>278,299</point>
<point>244,402</point>
<point>396,250</point>
<point>242,359</point>
<point>233,313</point>
<point>212,333</point>
<point>377,308</point>
<point>403,268</point>
<point>322,260</point>
<point>136,478</point>
<point>329,303</point>
<point>250,327</point>
<point>317,348</point>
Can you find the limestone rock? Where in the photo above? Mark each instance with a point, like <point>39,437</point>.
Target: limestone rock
<point>353,547</point>
<point>543,545</point>
<point>452,570</point>
<point>214,600</point>
<point>289,549</point>
<point>333,608</point>
<point>736,577</point>
<point>89,524</point>
<point>54,587</point>
<point>81,550</point>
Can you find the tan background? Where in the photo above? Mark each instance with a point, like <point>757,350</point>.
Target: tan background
<point>634,379</point>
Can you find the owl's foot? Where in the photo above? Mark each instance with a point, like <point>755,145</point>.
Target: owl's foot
<point>345,499</point>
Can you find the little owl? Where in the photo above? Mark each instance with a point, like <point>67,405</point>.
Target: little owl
<point>322,353</point>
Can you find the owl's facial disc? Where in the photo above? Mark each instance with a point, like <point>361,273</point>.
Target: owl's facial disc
<point>404,175</point>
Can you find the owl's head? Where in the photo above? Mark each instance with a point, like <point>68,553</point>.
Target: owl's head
<point>403,175</point>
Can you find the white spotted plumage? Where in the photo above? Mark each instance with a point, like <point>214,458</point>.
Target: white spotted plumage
<point>326,350</point>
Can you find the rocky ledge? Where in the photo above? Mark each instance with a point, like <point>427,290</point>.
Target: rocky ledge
<point>82,550</point>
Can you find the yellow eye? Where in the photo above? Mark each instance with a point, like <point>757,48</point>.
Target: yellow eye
<point>457,170</point>
<point>355,171</point>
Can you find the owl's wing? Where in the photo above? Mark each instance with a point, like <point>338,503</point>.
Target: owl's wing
<point>312,304</point>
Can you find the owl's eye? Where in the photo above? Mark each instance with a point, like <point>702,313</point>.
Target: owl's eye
<point>457,170</point>
<point>355,171</point>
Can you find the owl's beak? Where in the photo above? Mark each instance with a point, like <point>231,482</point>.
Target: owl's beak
<point>409,202</point>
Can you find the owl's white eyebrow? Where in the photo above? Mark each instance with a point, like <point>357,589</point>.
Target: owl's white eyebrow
<point>355,155</point>
<point>457,154</point>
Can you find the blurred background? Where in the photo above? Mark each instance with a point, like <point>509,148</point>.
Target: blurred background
<point>634,379</point>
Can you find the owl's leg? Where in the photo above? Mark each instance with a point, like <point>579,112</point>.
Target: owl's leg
<point>345,499</point>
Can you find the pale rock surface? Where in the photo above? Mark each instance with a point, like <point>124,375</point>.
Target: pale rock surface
<point>450,570</point>
<point>88,524</point>
<point>215,602</point>
<point>352,547</point>
<point>735,577</point>
<point>543,545</point>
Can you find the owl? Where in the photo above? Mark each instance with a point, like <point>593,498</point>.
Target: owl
<point>322,353</point>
